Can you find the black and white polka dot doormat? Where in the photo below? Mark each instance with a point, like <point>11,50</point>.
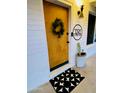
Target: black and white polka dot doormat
<point>66,81</point>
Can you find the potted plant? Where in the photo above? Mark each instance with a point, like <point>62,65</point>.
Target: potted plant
<point>80,53</point>
<point>80,56</point>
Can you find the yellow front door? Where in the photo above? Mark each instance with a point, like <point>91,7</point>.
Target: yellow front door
<point>57,47</point>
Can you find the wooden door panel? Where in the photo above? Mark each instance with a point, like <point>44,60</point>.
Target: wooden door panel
<point>57,47</point>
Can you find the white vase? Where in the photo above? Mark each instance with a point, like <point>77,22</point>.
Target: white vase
<point>80,61</point>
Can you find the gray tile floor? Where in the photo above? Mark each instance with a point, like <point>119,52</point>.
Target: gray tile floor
<point>88,85</point>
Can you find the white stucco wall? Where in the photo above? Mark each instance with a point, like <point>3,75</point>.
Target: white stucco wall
<point>37,54</point>
<point>90,49</point>
<point>38,61</point>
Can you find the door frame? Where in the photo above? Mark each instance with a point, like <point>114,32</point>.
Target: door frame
<point>68,5</point>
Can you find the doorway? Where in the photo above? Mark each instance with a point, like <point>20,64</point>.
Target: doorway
<point>57,47</point>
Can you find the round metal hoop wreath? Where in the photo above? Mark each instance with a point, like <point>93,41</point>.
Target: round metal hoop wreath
<point>77,32</point>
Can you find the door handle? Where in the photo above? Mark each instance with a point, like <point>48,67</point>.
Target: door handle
<point>67,41</point>
<point>67,33</point>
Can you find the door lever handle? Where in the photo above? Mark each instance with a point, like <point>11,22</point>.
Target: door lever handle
<point>67,33</point>
<point>67,41</point>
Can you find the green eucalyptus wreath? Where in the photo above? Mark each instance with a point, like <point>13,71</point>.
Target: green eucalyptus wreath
<point>58,27</point>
